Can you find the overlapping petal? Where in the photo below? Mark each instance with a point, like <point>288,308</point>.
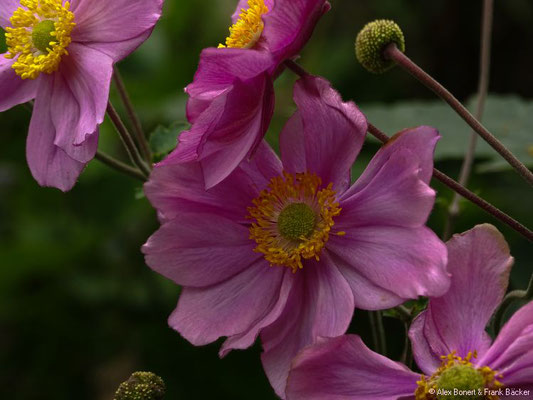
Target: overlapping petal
<point>343,368</point>
<point>14,90</point>
<point>7,8</point>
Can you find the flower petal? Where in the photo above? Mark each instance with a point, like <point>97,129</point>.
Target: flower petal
<point>124,23</point>
<point>49,164</point>
<point>14,89</point>
<point>243,4</point>
<point>320,304</point>
<point>343,368</point>
<point>230,307</point>
<point>409,262</point>
<point>7,8</point>
<point>511,354</point>
<point>480,263</point>
<point>79,99</point>
<point>200,249</point>
<point>329,136</point>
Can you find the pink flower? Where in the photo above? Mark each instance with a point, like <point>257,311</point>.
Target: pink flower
<point>61,54</point>
<point>345,246</point>
<point>449,340</point>
<point>232,96</point>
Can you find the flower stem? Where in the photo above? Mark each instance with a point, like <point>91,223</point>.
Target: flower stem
<point>296,68</point>
<point>483,86</point>
<point>393,53</point>
<point>120,166</point>
<point>467,194</point>
<point>137,127</point>
<point>127,140</point>
<point>378,333</point>
<point>524,295</point>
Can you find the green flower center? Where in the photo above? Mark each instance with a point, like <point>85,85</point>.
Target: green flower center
<point>295,221</point>
<point>42,35</point>
<point>460,382</point>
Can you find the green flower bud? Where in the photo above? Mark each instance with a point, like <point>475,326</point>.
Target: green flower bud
<point>373,39</point>
<point>141,386</point>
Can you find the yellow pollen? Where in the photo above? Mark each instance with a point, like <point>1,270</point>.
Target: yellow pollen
<point>39,36</point>
<point>294,198</point>
<point>245,33</point>
<point>454,372</point>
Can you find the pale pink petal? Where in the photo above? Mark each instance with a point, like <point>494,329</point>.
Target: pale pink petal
<point>230,307</point>
<point>14,89</point>
<point>320,304</point>
<point>344,368</point>
<point>7,8</point>
<point>480,263</point>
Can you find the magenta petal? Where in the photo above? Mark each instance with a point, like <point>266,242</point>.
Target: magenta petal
<point>320,304</point>
<point>426,359</point>
<point>329,136</point>
<point>79,99</point>
<point>408,262</point>
<point>125,23</point>
<point>200,249</point>
<point>344,368</point>
<point>480,263</point>
<point>511,354</point>
<point>230,307</point>
<point>7,8</point>
<point>14,89</point>
<point>49,164</point>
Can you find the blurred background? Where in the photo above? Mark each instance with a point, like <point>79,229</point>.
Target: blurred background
<point>80,311</point>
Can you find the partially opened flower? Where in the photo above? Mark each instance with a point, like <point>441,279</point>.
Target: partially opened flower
<point>449,340</point>
<point>287,248</point>
<point>61,54</point>
<point>232,96</point>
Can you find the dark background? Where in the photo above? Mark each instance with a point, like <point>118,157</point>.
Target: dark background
<point>80,311</point>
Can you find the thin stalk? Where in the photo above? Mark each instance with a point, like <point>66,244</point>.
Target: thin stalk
<point>127,140</point>
<point>374,330</point>
<point>467,194</point>
<point>120,166</point>
<point>378,332</point>
<point>136,122</point>
<point>393,53</point>
<point>483,88</point>
<point>296,68</point>
<point>524,295</point>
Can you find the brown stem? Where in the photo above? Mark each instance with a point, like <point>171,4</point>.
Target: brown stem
<point>296,68</point>
<point>393,53</point>
<point>120,166</point>
<point>483,87</point>
<point>137,127</point>
<point>467,194</point>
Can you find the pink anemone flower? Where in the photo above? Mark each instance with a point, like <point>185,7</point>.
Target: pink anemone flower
<point>232,96</point>
<point>61,54</point>
<point>449,340</point>
<point>287,248</point>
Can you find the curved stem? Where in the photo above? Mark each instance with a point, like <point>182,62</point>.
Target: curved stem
<point>127,140</point>
<point>467,194</point>
<point>296,68</point>
<point>510,298</point>
<point>483,87</point>
<point>393,53</point>
<point>119,166</point>
<point>137,127</point>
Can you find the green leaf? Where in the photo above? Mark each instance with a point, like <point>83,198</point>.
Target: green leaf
<point>508,117</point>
<point>164,139</point>
<point>3,46</point>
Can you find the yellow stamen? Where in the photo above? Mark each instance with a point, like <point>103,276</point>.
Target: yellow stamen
<point>245,33</point>
<point>428,388</point>
<point>297,195</point>
<point>39,36</point>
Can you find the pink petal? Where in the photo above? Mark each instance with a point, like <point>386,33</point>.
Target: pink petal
<point>408,262</point>
<point>511,354</point>
<point>243,4</point>
<point>49,164</point>
<point>230,307</point>
<point>79,99</point>
<point>480,263</point>
<point>7,8</point>
<point>344,368</point>
<point>124,23</point>
<point>328,136</point>
<point>14,89</point>
<point>320,304</point>
<point>200,249</point>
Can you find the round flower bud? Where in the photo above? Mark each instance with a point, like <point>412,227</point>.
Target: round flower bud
<point>141,386</point>
<point>373,39</point>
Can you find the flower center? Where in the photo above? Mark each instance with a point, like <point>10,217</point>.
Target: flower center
<point>458,379</point>
<point>39,36</point>
<point>245,33</point>
<point>293,218</point>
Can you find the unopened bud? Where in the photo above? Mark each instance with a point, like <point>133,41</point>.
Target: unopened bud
<point>141,386</point>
